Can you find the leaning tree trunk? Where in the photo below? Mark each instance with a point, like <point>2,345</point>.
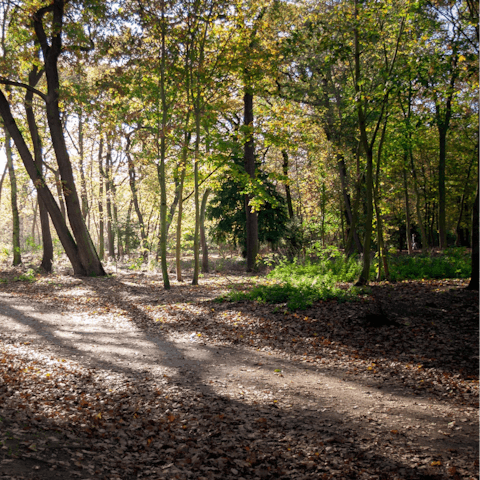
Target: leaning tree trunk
<point>47,243</point>
<point>17,258</point>
<point>43,191</point>
<point>51,52</point>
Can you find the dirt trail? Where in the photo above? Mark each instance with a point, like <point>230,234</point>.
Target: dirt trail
<point>417,436</point>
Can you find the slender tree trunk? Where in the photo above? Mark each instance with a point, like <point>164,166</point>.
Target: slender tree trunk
<point>5,170</point>
<point>196,253</point>
<point>35,211</point>
<point>47,243</point>
<point>287,184</point>
<point>462,200</point>
<point>108,188</point>
<point>83,182</point>
<point>133,188</point>
<point>442,226</point>
<point>249,161</point>
<point>351,216</point>
<point>178,247</point>
<point>418,208</point>
<point>407,208</point>
<point>17,259</point>
<point>101,222</point>
<point>203,239</point>
<point>161,146</point>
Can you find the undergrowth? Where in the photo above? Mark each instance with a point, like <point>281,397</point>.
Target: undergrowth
<point>299,285</point>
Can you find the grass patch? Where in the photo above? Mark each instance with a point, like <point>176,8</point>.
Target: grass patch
<point>298,286</point>
<point>451,263</point>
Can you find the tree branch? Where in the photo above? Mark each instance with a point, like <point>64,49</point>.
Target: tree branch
<point>6,81</point>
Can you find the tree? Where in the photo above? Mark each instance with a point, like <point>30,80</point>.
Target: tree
<point>81,252</point>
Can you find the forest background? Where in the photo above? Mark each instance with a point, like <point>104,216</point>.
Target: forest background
<point>271,129</point>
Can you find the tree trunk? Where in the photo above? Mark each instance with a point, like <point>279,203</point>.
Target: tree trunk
<point>5,170</point>
<point>101,222</point>
<point>249,161</point>
<point>203,239</point>
<point>83,182</point>
<point>196,253</point>
<point>51,52</point>
<point>473,285</point>
<point>351,216</point>
<point>133,188</point>
<point>178,247</point>
<point>47,259</point>
<point>407,208</point>
<point>462,200</point>
<point>17,258</point>
<point>161,146</point>
<point>423,232</point>
<point>44,193</point>
<point>442,226</point>
<point>108,188</point>
<point>287,184</point>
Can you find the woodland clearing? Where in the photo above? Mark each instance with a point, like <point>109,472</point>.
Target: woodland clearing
<point>116,378</point>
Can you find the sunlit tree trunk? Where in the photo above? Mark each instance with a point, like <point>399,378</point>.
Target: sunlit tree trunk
<point>161,149</point>
<point>101,219</point>
<point>47,243</point>
<point>17,258</point>
<point>203,239</point>
<point>51,52</point>
<point>83,182</point>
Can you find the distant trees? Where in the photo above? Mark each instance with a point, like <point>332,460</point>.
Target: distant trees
<point>353,120</point>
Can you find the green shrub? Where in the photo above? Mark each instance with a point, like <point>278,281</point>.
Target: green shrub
<point>300,285</point>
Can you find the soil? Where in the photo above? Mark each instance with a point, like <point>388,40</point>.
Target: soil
<point>116,378</point>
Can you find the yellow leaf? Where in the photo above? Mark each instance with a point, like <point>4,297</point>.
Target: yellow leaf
<point>436,464</point>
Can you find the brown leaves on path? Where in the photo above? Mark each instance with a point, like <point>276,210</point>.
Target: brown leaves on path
<point>276,394</point>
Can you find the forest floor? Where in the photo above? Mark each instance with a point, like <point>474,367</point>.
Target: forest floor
<point>116,378</point>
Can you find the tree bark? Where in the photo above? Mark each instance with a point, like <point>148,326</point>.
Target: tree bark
<point>83,182</point>
<point>108,188</point>
<point>178,248</point>
<point>51,52</point>
<point>407,208</point>
<point>196,253</point>
<point>287,184</point>
<point>44,193</point>
<point>5,170</point>
<point>47,259</point>
<point>161,148</point>
<point>203,239</point>
<point>101,222</point>
<point>17,258</point>
<point>249,162</point>
<point>133,188</point>
<point>473,285</point>
<point>350,216</point>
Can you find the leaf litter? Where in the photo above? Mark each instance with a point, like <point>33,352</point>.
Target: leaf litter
<point>117,378</point>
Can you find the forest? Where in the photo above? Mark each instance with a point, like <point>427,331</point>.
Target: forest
<point>239,239</point>
<point>267,130</point>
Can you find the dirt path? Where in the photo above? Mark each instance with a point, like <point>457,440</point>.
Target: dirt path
<point>284,414</point>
